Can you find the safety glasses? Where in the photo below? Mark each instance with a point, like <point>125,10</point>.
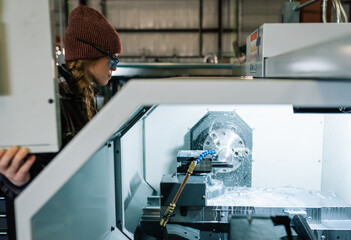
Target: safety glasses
<point>112,61</point>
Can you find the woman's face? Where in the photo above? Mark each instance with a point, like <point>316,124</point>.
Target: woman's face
<point>101,71</point>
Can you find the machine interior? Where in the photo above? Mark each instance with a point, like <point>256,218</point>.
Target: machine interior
<point>278,163</point>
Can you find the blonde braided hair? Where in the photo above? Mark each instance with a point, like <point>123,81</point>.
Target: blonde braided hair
<point>84,80</point>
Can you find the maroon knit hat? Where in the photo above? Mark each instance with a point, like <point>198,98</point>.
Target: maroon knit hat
<point>88,25</point>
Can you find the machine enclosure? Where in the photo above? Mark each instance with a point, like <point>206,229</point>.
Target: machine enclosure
<point>271,40</point>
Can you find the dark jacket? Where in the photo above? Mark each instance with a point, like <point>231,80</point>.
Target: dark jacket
<point>73,119</point>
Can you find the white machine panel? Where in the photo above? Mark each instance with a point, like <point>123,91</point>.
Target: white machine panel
<point>330,59</point>
<point>84,207</point>
<point>27,76</point>
<point>270,40</point>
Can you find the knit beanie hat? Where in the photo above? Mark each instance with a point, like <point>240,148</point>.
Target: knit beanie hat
<point>89,26</point>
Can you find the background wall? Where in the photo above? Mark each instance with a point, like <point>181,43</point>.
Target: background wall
<point>255,13</point>
<point>168,30</point>
<point>171,30</point>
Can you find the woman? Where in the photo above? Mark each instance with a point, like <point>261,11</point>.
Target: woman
<point>91,49</point>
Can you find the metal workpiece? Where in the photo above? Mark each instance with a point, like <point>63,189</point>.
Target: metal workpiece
<point>231,137</point>
<point>329,59</point>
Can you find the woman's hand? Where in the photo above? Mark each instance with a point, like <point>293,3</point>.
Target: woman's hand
<point>13,167</point>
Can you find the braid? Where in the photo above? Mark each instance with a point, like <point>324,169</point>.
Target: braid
<point>83,77</point>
